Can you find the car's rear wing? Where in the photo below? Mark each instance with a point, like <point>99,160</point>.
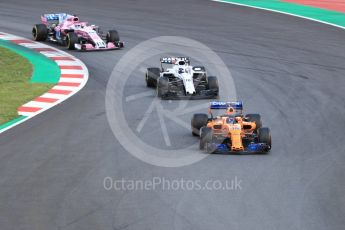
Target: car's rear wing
<point>172,60</point>
<point>236,105</point>
<point>54,18</point>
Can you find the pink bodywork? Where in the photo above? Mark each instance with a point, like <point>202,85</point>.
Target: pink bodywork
<point>110,46</point>
<point>79,28</point>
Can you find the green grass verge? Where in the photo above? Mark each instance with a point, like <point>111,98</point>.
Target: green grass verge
<point>15,86</point>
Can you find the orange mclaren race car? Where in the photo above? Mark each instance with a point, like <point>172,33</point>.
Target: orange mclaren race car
<point>231,131</point>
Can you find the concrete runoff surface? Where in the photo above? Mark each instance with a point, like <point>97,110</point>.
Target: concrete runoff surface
<point>290,70</point>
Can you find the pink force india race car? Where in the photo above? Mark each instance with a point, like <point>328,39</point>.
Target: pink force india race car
<point>66,29</point>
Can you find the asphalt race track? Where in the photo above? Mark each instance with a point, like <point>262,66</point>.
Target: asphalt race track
<point>290,70</point>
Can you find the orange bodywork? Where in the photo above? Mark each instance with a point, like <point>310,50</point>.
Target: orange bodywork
<point>235,131</point>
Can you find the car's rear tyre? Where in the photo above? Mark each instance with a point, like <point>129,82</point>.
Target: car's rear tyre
<point>212,82</point>
<point>71,40</point>
<point>264,136</point>
<point>256,118</point>
<point>151,76</point>
<point>40,32</point>
<point>162,86</point>
<point>113,36</point>
<point>205,138</point>
<point>198,121</point>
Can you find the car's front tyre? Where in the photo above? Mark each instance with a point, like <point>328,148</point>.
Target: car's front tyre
<point>113,36</point>
<point>264,136</point>
<point>205,139</point>
<point>162,86</point>
<point>71,40</point>
<point>151,76</point>
<point>198,121</point>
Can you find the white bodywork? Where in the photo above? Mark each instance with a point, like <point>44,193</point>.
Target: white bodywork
<point>181,69</point>
<point>87,31</point>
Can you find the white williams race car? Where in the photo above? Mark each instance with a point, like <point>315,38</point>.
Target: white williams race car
<point>181,80</point>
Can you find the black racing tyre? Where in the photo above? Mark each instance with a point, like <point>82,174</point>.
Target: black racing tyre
<point>162,86</point>
<point>255,118</point>
<point>113,36</point>
<point>205,137</point>
<point>151,76</point>
<point>40,32</point>
<point>264,136</point>
<point>198,121</point>
<point>212,82</point>
<point>71,40</point>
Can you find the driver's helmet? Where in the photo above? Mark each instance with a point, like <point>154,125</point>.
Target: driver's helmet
<point>239,119</point>
<point>73,18</point>
<point>181,62</point>
<point>230,111</point>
